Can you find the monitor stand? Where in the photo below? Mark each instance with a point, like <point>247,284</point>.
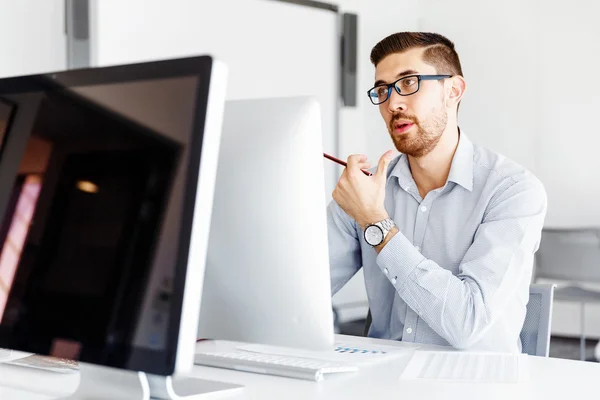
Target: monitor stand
<point>98,382</point>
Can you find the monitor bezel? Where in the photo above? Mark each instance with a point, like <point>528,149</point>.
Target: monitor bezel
<point>159,362</point>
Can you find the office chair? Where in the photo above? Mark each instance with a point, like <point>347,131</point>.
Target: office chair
<point>571,255</point>
<point>535,334</point>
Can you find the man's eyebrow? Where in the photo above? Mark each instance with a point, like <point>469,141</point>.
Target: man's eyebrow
<point>401,74</point>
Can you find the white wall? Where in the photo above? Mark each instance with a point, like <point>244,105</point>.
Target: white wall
<point>496,42</point>
<point>568,140</point>
<point>32,37</point>
<point>568,131</point>
<point>516,55</point>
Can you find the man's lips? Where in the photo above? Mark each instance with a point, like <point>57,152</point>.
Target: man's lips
<point>402,126</point>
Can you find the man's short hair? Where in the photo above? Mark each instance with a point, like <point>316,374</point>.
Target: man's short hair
<point>439,50</point>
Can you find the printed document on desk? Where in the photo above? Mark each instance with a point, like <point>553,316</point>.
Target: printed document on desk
<point>459,366</point>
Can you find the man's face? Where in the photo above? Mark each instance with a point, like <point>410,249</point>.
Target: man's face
<point>415,122</point>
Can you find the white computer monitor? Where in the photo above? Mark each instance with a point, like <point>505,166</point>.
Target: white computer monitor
<point>107,179</point>
<point>267,277</point>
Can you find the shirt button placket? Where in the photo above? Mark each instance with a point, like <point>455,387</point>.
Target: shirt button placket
<point>420,222</point>
<point>409,327</point>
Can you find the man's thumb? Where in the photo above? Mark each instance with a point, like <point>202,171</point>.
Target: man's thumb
<point>384,161</point>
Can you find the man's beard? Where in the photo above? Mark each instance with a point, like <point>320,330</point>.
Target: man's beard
<point>426,136</point>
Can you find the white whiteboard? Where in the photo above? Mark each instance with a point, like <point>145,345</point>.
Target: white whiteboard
<point>272,48</point>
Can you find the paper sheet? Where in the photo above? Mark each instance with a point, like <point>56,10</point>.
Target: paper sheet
<point>467,366</point>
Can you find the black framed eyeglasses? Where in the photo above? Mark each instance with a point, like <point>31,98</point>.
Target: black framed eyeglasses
<point>404,86</point>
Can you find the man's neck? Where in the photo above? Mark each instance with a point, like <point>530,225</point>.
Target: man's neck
<point>431,171</point>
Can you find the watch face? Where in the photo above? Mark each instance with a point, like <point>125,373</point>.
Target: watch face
<point>374,235</point>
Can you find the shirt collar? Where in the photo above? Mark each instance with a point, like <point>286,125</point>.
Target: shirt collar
<point>401,170</point>
<point>461,170</point>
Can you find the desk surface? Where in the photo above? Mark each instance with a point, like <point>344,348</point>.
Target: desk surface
<point>550,379</point>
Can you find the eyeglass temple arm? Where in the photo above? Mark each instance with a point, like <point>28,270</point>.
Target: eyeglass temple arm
<point>434,77</point>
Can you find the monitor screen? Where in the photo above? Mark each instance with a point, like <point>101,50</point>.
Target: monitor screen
<point>98,171</point>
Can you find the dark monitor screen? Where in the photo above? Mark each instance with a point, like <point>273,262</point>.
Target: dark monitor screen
<point>98,175</point>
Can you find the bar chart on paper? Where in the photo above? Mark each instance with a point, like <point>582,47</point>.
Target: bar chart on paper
<point>344,348</point>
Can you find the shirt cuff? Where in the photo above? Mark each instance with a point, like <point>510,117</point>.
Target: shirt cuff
<point>398,259</point>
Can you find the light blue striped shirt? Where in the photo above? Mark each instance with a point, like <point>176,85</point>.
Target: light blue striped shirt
<point>459,270</point>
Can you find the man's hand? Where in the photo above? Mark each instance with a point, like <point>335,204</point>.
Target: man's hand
<point>361,196</point>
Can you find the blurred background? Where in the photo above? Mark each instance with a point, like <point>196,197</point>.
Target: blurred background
<point>532,95</point>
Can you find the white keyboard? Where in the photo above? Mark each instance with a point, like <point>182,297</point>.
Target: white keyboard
<point>291,367</point>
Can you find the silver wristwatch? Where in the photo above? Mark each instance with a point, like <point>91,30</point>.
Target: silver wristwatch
<point>375,233</point>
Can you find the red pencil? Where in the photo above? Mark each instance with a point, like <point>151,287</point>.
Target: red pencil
<point>337,160</point>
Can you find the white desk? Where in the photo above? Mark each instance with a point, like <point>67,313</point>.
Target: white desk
<point>550,379</point>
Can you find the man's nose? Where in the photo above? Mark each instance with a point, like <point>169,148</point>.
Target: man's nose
<point>396,102</point>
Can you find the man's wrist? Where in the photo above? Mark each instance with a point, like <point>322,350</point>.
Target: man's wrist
<point>387,238</point>
<point>372,219</point>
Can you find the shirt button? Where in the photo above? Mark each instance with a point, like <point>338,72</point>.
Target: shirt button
<point>409,330</point>
<point>385,271</point>
<point>417,247</point>
<point>393,280</point>
<point>423,208</point>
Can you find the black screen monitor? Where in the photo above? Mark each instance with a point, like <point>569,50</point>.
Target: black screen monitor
<point>106,187</point>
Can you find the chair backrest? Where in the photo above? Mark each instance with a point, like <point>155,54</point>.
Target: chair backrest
<point>569,254</point>
<point>535,334</point>
<point>368,324</point>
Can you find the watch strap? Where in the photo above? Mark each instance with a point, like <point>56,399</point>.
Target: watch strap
<point>387,224</point>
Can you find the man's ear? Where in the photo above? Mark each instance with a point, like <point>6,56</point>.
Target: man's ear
<point>458,85</point>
